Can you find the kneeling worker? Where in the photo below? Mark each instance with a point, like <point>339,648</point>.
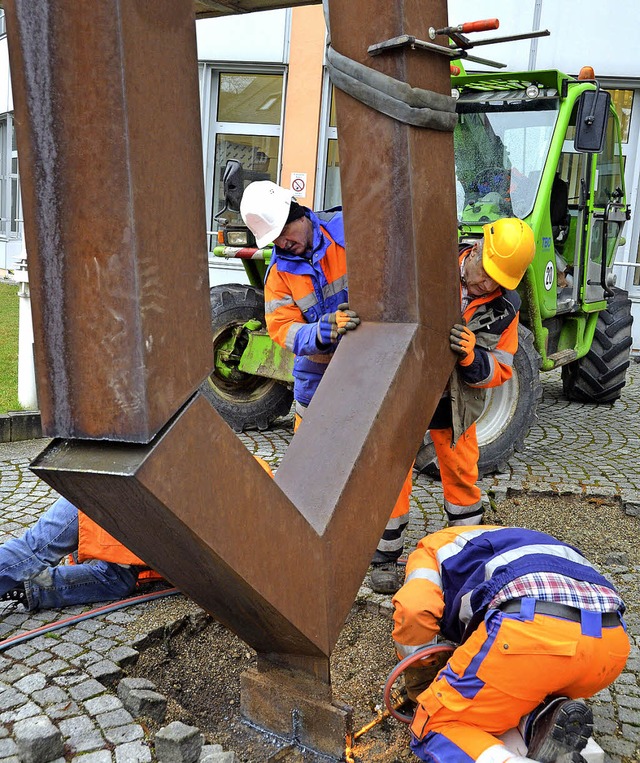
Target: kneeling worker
<point>538,628</point>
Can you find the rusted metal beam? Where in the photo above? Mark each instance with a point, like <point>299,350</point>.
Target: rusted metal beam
<point>278,561</point>
<point>346,464</point>
<point>107,118</point>
<point>108,128</point>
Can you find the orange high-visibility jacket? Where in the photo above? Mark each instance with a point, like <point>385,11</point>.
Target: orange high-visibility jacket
<point>494,321</point>
<point>299,290</point>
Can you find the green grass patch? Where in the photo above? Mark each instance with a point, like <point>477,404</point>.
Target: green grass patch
<point>9,347</point>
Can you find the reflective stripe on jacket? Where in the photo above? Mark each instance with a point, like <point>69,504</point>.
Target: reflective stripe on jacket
<point>299,290</point>
<point>453,575</point>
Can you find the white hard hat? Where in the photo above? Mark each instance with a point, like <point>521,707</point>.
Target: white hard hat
<point>264,209</point>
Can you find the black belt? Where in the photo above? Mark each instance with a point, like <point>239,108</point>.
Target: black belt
<point>563,611</point>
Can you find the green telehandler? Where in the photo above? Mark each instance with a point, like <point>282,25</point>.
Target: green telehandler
<point>539,145</point>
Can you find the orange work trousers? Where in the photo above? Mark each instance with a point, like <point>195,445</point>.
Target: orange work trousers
<point>459,474</point>
<point>506,668</point>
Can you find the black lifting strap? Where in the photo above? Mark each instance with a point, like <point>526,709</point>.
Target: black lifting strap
<point>396,99</point>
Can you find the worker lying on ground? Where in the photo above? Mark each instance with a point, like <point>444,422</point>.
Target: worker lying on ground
<point>31,573</point>
<point>538,627</point>
<point>307,312</point>
<point>486,343</point>
<point>104,569</point>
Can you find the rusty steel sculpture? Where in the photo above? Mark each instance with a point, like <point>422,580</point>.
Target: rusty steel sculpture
<point>108,127</point>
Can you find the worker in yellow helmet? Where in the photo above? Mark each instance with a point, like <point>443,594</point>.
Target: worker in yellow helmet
<point>485,342</point>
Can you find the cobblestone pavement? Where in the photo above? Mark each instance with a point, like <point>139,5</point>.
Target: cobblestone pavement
<point>69,676</point>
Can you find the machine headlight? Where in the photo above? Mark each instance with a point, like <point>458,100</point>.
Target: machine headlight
<point>237,238</point>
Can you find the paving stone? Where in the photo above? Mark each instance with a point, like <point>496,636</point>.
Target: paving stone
<point>26,710</point>
<point>77,636</point>
<point>38,740</point>
<point>178,743</point>
<point>123,656</point>
<point>209,749</point>
<point>101,644</point>
<point>84,659</point>
<point>102,704</point>
<point>106,672</point>
<point>114,718</point>
<point>11,698</point>
<point>15,673</point>
<point>30,683</point>
<point>615,746</point>
<point>103,756</point>
<point>66,709</point>
<point>81,734</point>
<point>51,667</point>
<point>66,651</point>
<point>123,616</point>
<point>7,748</point>
<point>219,756</point>
<point>133,752</point>
<point>628,701</point>
<point>51,695</point>
<point>121,734</point>
<point>627,715</point>
<point>140,699</point>
<point>37,658</point>
<point>69,678</point>
<point>18,652</point>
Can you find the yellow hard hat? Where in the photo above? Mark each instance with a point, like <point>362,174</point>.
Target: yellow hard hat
<point>509,246</point>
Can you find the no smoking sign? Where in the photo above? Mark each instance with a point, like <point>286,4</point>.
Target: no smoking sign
<point>299,183</point>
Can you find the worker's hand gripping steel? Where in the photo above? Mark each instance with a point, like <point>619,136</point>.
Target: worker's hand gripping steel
<point>462,341</point>
<point>331,326</point>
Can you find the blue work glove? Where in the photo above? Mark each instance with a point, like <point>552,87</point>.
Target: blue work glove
<point>331,326</point>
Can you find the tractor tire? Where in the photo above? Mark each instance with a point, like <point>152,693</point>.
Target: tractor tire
<point>243,400</point>
<point>509,412</point>
<point>600,375</point>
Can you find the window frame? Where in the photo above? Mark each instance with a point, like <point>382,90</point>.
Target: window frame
<point>209,90</point>
<point>10,196</point>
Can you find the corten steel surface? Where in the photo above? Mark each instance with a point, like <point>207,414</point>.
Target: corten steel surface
<point>108,128</point>
<point>279,561</point>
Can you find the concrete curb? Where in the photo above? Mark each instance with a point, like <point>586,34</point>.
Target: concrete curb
<point>20,425</point>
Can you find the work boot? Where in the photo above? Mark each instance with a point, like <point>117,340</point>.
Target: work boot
<point>561,726</point>
<point>16,596</point>
<point>385,578</point>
